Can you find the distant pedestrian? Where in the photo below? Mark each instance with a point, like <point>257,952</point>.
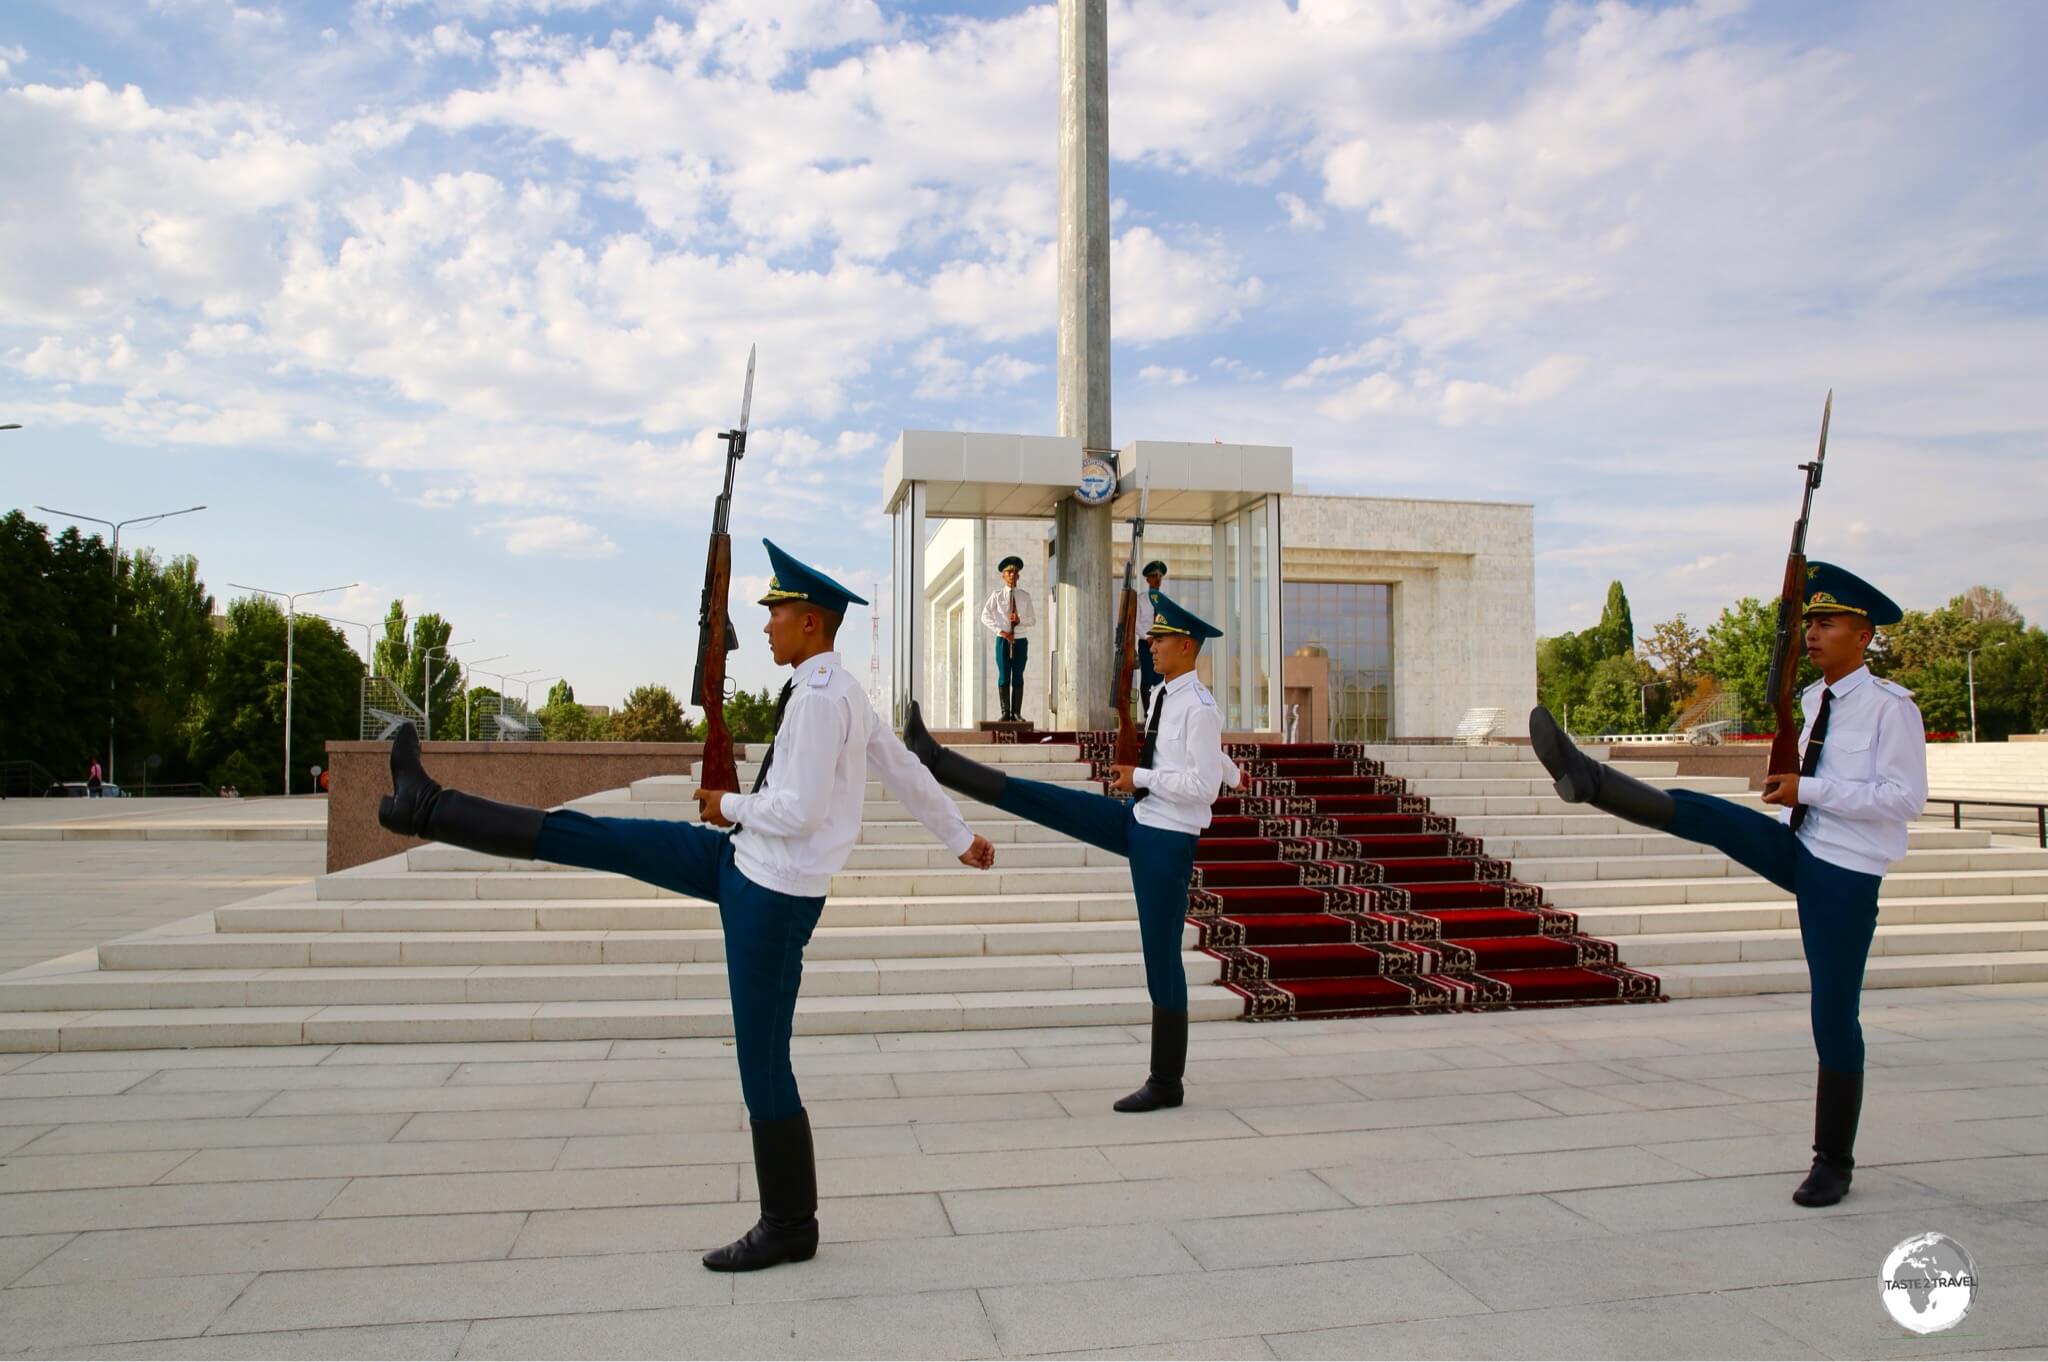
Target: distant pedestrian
<point>92,782</point>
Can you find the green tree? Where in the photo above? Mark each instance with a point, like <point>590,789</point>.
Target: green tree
<point>650,714</point>
<point>236,771</point>
<point>242,707</point>
<point>166,647</point>
<point>567,721</point>
<point>751,717</point>
<point>1738,656</point>
<point>1614,696</point>
<point>55,610</point>
<point>1617,629</point>
<point>561,693</point>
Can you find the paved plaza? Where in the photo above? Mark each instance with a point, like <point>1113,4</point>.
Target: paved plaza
<point>1601,1182</point>
<point>77,872</point>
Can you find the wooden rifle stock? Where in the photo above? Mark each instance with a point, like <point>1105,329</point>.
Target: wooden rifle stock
<point>720,770</point>
<point>1127,744</point>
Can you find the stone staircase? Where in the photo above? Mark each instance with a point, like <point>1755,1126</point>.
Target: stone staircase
<point>443,945</point>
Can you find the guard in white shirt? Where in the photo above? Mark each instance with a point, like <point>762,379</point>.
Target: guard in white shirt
<point>1840,822</point>
<point>769,878</point>
<point>1181,769</point>
<point>1007,613</point>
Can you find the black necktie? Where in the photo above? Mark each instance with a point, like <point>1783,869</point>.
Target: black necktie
<point>1148,751</point>
<point>760,777</point>
<point>1814,742</point>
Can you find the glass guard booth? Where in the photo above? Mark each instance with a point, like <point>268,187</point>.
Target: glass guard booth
<point>1213,516</point>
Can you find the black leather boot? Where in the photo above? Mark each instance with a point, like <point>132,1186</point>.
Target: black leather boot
<point>1582,780</point>
<point>1837,1105</point>
<point>950,769</point>
<point>1169,1063</point>
<point>1017,702</point>
<point>786,1170</point>
<point>417,807</point>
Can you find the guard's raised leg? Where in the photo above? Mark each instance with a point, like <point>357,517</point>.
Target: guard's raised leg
<point>418,807</point>
<point>1582,780</point>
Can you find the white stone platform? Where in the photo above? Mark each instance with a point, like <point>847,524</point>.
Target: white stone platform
<point>1597,1182</point>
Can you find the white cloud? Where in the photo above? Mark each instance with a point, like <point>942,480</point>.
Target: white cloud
<point>552,536</point>
<point>1172,378</point>
<point>1299,214</point>
<point>1159,291</point>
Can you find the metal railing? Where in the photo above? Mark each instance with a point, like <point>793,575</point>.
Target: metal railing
<point>2040,808</point>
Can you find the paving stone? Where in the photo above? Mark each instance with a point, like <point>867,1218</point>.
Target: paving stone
<point>86,1083</point>
<point>14,1137</point>
<point>320,1102</point>
<point>1122,1311</point>
<point>933,1324</point>
<point>2015,1177</point>
<point>817,1089</point>
<point>1997,1237</point>
<point>136,1207</point>
<point>275,1246</point>
<point>725,1146</point>
<point>924,1110</point>
<point>56,1172</point>
<point>958,1261</point>
<point>1267,1154</point>
<point>1686,1327</point>
<point>1844,1318</point>
<point>20,1252</point>
<point>663,1229</point>
<point>571,1121</point>
<point>367,1160</point>
<point>1660,1263</point>
<point>470,1052</point>
<point>335,1297</point>
<point>1595,1132</point>
<point>1379,1231</point>
<point>1389,1113</point>
<point>113,1312</point>
<point>243,1133</point>
<point>218,1057</point>
<point>326,1076</point>
<point>466,1193</point>
<point>48,1111</point>
<point>1876,1146</point>
<point>1738,1201</point>
<point>950,1172</point>
<point>1155,1201</point>
<point>1222,1349</point>
<point>398,1342</point>
<point>1106,1130</point>
<point>1501,1175</point>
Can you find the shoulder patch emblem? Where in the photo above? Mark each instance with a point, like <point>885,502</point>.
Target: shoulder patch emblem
<point>1892,687</point>
<point>821,675</point>
<point>1202,694</point>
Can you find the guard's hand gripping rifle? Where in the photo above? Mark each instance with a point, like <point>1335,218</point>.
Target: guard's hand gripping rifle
<point>1128,643</point>
<point>1785,651</point>
<point>715,635</point>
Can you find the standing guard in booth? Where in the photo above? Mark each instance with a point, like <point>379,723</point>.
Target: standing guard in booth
<point>1007,613</point>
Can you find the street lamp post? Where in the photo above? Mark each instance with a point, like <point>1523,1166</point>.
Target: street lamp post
<point>1970,665</point>
<point>369,664</point>
<point>113,638</point>
<point>467,671</point>
<point>526,701</point>
<point>427,689</point>
<point>291,611</point>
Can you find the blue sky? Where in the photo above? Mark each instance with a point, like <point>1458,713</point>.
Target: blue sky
<point>449,297</point>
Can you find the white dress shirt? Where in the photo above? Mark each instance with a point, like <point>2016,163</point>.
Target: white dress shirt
<point>995,614</point>
<point>1188,761</point>
<point>800,828</point>
<point>1145,614</point>
<point>1872,777</point>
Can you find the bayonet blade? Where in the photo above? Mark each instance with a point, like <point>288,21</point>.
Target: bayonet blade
<point>1826,413</point>
<point>747,402</point>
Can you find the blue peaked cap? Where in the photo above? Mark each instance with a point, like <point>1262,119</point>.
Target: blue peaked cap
<point>1169,617</point>
<point>793,581</point>
<point>1835,591</point>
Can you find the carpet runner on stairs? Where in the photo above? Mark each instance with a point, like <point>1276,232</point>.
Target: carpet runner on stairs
<point>1326,889</point>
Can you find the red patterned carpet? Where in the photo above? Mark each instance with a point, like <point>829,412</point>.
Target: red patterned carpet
<point>1328,890</point>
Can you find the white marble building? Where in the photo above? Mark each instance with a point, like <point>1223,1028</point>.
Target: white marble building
<point>1424,608</point>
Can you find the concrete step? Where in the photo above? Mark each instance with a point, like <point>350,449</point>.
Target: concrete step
<point>1679,863</point>
<point>668,913</point>
<point>370,883</point>
<point>1546,804</point>
<point>1534,787</point>
<point>1625,924</point>
<point>144,832</point>
<point>1623,892</point>
<point>1749,977</point>
<point>921,853</point>
<point>1652,951</point>
<point>96,990</point>
<point>1626,839</point>
<point>610,805</point>
<point>309,1024</point>
<point>675,789</point>
<point>200,949</point>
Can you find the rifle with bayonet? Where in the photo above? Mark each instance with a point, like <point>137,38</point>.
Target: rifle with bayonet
<point>715,633</point>
<point>1789,647</point>
<point>1128,743</point>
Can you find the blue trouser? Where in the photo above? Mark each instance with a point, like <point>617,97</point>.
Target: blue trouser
<point>1837,910</point>
<point>1161,863</point>
<point>765,932</point>
<point>1011,655</point>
